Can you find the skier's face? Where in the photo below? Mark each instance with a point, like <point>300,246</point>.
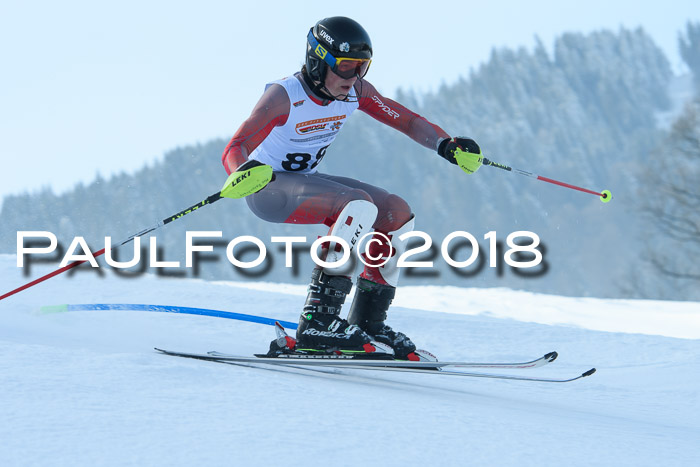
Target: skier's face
<point>337,86</point>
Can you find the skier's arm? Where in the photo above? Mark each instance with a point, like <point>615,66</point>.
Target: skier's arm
<point>398,117</point>
<point>460,151</point>
<point>271,110</point>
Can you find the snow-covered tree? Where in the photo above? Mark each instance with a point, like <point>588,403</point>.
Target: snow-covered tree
<point>689,45</point>
<point>673,183</point>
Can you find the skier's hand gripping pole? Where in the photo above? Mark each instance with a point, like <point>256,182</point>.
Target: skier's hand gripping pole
<point>250,177</point>
<point>461,151</point>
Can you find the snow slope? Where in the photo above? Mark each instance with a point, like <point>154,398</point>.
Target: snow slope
<point>86,388</point>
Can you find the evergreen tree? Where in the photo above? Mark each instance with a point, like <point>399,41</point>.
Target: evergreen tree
<point>689,45</point>
<point>584,115</point>
<point>672,200</point>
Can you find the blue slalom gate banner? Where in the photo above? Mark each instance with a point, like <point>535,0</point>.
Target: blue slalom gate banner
<point>168,309</point>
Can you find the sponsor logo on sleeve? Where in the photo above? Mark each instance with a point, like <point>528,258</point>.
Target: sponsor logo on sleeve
<point>385,108</point>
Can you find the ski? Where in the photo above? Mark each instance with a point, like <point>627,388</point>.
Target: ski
<point>435,368</point>
<point>354,360</point>
<point>284,350</point>
<point>286,355</point>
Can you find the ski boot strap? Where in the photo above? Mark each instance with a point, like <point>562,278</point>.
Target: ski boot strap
<point>369,308</point>
<point>327,293</point>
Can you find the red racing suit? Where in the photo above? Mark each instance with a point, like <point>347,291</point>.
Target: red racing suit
<point>312,198</point>
<point>273,109</point>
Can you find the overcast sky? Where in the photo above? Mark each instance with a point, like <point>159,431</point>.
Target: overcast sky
<point>90,86</point>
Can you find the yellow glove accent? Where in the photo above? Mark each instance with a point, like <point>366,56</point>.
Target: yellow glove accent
<point>468,161</point>
<point>246,181</point>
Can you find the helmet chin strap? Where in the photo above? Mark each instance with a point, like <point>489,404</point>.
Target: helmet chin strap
<point>319,88</point>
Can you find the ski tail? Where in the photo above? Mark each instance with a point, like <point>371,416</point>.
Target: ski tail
<point>284,340</point>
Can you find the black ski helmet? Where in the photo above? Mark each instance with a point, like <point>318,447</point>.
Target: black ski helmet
<point>341,37</point>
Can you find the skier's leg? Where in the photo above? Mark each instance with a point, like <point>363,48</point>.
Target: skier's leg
<point>393,211</point>
<point>376,286</point>
<point>375,289</point>
<point>303,199</point>
<point>394,218</point>
<point>349,211</point>
<point>320,325</point>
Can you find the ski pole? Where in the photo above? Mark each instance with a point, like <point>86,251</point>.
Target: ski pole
<point>238,185</point>
<point>211,199</point>
<point>605,195</point>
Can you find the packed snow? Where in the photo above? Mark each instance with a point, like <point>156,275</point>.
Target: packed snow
<point>87,388</point>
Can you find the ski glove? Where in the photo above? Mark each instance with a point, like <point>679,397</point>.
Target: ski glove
<point>461,151</point>
<point>250,177</point>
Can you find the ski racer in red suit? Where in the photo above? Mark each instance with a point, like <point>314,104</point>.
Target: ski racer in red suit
<point>290,129</point>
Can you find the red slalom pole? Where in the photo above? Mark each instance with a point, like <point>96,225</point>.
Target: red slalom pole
<point>605,195</point>
<point>50,275</point>
<point>167,220</point>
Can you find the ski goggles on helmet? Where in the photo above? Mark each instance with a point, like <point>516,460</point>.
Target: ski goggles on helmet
<point>345,67</point>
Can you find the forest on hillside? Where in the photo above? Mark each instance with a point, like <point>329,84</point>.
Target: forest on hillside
<point>587,113</point>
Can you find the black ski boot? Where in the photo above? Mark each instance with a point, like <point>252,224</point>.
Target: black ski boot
<point>322,330</point>
<point>368,311</point>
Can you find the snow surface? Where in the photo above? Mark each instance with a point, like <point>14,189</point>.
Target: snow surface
<point>87,388</point>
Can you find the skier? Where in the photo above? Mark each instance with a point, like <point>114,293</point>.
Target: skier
<point>289,130</point>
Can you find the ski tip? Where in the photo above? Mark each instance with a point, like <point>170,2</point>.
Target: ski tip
<point>588,373</point>
<point>551,356</point>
